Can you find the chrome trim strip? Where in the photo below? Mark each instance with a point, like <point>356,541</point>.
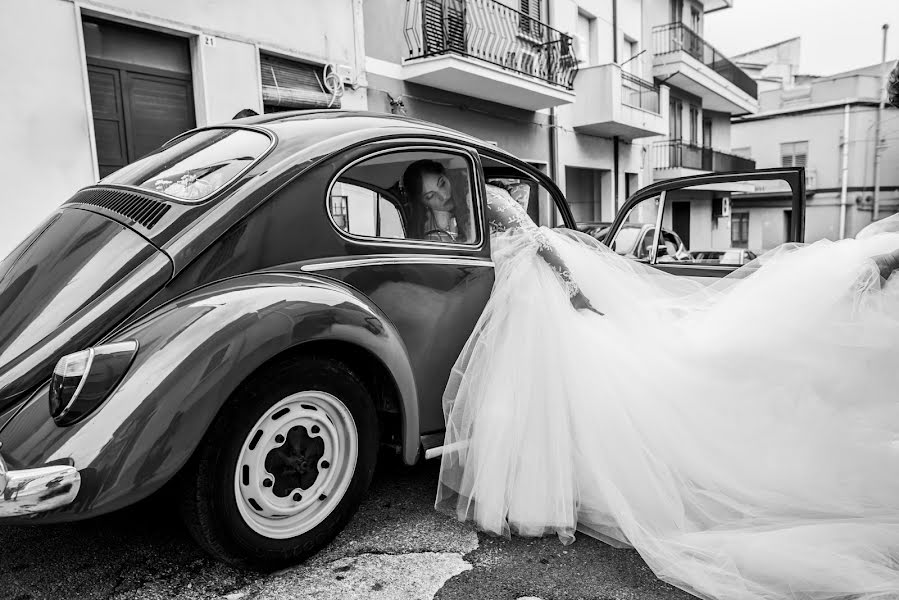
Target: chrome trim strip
<point>417,144</point>
<point>84,376</point>
<point>397,260</point>
<point>657,234</point>
<point>31,491</point>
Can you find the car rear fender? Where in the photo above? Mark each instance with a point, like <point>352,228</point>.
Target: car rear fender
<point>193,354</point>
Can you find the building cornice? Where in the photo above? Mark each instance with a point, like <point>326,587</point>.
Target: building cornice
<point>806,108</point>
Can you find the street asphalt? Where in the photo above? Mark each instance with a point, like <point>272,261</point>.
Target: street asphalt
<point>396,547</point>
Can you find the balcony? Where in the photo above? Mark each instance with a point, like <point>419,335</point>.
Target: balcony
<point>685,60</point>
<point>675,158</point>
<point>484,49</point>
<point>614,103</point>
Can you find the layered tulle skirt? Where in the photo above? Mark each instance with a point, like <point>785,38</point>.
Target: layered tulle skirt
<point>742,435</point>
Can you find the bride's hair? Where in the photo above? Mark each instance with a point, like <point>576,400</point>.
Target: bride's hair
<point>412,187</point>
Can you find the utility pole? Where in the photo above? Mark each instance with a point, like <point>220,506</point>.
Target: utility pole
<point>883,93</point>
<point>844,177</point>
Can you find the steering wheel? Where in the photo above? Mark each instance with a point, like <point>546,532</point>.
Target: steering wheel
<point>440,233</point>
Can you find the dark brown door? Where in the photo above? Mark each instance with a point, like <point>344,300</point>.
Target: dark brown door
<point>140,87</point>
<point>706,133</point>
<point>109,118</point>
<point>159,108</point>
<point>680,221</point>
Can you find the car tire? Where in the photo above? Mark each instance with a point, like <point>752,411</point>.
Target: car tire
<point>284,466</point>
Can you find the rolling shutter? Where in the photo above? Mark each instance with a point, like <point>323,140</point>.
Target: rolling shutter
<point>288,84</point>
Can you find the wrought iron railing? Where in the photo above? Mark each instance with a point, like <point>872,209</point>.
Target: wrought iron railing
<point>673,154</point>
<point>639,93</point>
<point>490,31</point>
<point>676,37</point>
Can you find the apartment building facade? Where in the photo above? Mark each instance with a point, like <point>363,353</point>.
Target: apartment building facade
<point>119,77</point>
<point>827,125</point>
<point>563,84</point>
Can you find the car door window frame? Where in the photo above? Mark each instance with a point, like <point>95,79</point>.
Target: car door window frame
<point>793,176</point>
<point>475,177</point>
<point>558,199</point>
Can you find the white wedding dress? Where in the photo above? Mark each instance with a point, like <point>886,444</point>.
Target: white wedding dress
<point>743,437</point>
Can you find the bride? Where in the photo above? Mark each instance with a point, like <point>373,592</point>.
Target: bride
<point>743,437</point>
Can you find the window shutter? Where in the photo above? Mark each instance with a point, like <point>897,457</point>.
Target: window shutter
<point>293,85</point>
<point>786,160</point>
<point>531,8</point>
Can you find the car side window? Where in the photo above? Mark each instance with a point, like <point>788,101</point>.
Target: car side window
<point>634,238</point>
<point>365,212</point>
<point>421,195</point>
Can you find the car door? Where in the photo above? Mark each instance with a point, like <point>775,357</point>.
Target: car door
<point>432,287</point>
<point>750,212</point>
<point>433,290</point>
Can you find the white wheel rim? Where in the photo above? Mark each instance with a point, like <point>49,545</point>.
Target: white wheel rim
<point>296,464</point>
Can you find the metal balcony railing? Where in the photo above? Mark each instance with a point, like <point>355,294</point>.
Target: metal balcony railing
<point>490,31</point>
<point>677,37</point>
<point>639,93</point>
<point>674,154</point>
<point>722,162</point>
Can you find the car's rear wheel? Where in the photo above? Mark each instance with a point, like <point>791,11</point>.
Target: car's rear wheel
<point>285,464</point>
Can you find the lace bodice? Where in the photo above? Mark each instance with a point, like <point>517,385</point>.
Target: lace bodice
<point>505,214</point>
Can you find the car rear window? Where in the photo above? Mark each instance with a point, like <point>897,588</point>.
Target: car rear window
<point>196,166</point>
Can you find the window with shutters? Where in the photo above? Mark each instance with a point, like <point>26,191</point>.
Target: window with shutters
<point>530,23</point>
<point>794,154</point>
<point>584,38</point>
<point>739,229</point>
<point>694,125</point>
<point>293,85</point>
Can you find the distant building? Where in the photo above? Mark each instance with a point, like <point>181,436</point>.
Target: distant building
<point>801,122</point>
<point>772,66</point>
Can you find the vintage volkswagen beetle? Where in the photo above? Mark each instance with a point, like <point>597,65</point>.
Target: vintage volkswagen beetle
<point>247,314</point>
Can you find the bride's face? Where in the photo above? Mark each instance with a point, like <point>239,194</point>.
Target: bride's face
<point>437,191</point>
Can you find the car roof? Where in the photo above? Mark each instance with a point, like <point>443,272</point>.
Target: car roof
<point>299,130</point>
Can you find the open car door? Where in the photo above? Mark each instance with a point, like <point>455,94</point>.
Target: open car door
<point>706,226</point>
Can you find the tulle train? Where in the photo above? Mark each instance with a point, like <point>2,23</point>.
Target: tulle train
<point>742,435</point>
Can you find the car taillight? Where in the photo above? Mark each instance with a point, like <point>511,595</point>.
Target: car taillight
<point>82,381</point>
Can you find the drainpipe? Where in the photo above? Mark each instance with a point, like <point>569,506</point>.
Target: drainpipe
<point>615,139</point>
<point>844,176</point>
<point>883,93</point>
<point>553,138</point>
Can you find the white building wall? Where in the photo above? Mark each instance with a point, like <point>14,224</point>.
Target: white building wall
<point>47,147</point>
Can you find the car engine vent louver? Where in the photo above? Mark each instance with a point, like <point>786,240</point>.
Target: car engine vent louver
<point>137,207</point>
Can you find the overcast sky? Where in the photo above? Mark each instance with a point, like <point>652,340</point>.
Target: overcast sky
<point>837,35</point>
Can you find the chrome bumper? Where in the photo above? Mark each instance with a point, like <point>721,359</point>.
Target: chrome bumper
<point>31,491</point>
